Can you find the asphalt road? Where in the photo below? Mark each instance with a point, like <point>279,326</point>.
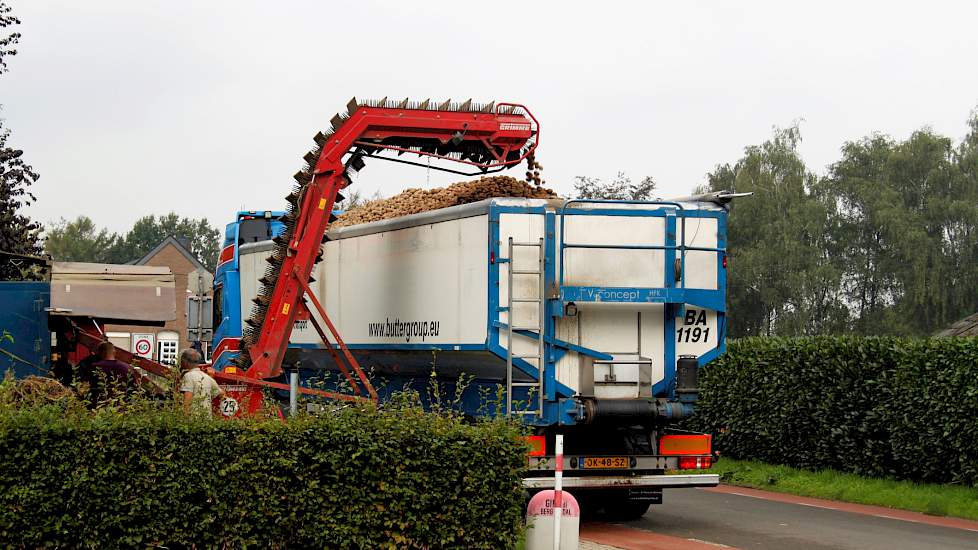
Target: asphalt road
<point>752,523</point>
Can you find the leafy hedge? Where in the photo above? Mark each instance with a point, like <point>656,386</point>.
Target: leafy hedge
<point>878,406</point>
<point>354,479</point>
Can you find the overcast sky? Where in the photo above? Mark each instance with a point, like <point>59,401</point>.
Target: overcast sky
<point>128,108</point>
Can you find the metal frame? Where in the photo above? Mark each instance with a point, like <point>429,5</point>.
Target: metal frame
<point>620,482</point>
<point>674,294</point>
<point>365,127</point>
<point>573,463</point>
<point>559,406</point>
<point>511,327</point>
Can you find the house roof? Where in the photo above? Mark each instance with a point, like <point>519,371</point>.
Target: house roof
<point>180,248</point>
<point>965,327</point>
<point>122,293</point>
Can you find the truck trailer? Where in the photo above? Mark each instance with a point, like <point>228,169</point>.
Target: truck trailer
<point>587,318</point>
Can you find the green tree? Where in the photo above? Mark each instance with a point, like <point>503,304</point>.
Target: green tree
<point>620,188</point>
<point>18,233</point>
<point>80,241</point>
<point>867,212</point>
<point>149,231</point>
<point>8,40</point>
<point>908,212</point>
<point>783,279</point>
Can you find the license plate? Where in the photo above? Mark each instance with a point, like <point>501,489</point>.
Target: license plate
<point>600,462</point>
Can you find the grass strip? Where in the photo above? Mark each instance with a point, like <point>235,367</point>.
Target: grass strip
<point>937,500</point>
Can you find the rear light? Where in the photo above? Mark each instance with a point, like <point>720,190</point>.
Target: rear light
<point>724,261</point>
<point>538,445</point>
<point>695,462</point>
<point>686,444</point>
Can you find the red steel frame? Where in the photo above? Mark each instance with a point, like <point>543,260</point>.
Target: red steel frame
<point>502,131</point>
<point>87,340</point>
<point>367,126</point>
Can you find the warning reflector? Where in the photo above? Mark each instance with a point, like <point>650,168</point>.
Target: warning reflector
<point>685,444</point>
<point>538,445</point>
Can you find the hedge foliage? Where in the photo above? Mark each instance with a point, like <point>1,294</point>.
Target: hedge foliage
<point>876,406</point>
<point>358,478</point>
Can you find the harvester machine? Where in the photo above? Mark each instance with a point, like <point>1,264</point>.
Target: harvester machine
<point>483,138</point>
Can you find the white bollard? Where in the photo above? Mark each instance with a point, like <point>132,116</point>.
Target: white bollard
<point>540,522</point>
<point>558,486</point>
<point>554,517</point>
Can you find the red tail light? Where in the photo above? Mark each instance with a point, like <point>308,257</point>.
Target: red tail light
<point>724,261</point>
<point>695,462</point>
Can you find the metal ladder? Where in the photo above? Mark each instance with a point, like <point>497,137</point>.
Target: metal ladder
<point>539,327</point>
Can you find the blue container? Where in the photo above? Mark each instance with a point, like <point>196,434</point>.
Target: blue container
<point>25,342</point>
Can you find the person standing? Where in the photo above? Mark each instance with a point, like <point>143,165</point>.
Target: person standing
<point>108,378</point>
<point>196,386</point>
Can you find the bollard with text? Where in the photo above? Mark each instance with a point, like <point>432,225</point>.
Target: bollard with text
<point>553,517</point>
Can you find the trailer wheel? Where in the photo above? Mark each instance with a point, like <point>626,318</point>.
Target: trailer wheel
<point>623,509</point>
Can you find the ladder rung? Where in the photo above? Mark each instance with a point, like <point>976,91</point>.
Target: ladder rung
<point>527,328</point>
<point>521,272</point>
<point>526,357</point>
<point>537,244</point>
<point>526,384</point>
<point>526,412</point>
<point>525,300</point>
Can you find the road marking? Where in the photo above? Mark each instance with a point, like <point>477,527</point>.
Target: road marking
<point>862,509</point>
<point>627,538</point>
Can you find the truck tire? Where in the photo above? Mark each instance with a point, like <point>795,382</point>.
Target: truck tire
<point>623,509</point>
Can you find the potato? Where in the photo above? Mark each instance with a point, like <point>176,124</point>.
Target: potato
<point>414,200</point>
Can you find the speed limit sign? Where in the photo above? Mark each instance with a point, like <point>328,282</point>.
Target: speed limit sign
<point>142,344</point>
<point>229,406</point>
<point>143,347</point>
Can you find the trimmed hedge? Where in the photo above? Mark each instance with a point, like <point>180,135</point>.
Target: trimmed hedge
<point>876,406</point>
<point>353,479</point>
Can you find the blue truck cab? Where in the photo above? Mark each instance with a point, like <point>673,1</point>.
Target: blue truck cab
<point>249,226</point>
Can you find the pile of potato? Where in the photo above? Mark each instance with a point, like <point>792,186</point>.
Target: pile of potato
<point>413,201</point>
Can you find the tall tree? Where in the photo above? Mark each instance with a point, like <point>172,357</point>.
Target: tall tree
<point>620,188</point>
<point>909,211</point>
<point>80,241</point>
<point>783,279</point>
<point>8,39</point>
<point>18,233</point>
<point>149,231</point>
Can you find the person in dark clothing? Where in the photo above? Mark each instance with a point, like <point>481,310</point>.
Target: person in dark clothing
<point>108,377</point>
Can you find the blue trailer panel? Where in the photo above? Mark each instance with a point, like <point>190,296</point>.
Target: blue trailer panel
<point>25,343</point>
